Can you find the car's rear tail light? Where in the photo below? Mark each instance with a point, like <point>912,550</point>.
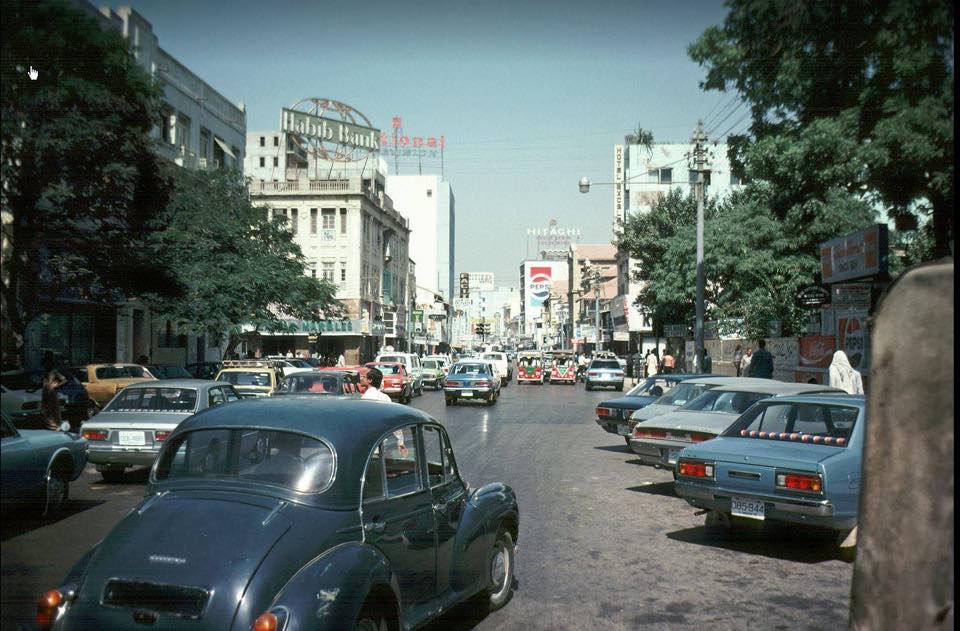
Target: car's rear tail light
<point>803,482</point>
<point>95,434</point>
<point>161,436</point>
<point>647,433</point>
<point>453,384</point>
<point>47,607</point>
<point>695,469</point>
<point>699,438</point>
<point>593,374</point>
<point>482,384</point>
<point>603,412</point>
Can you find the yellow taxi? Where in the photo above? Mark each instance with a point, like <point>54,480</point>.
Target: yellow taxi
<point>252,377</point>
<point>102,381</point>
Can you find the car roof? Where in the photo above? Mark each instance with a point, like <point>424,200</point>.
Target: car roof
<point>720,380</point>
<point>177,383</point>
<point>351,426</point>
<point>776,387</point>
<point>827,398</point>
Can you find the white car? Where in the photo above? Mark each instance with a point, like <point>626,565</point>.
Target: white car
<point>444,361</point>
<point>500,361</point>
<point>412,362</point>
<point>291,366</point>
<point>23,408</point>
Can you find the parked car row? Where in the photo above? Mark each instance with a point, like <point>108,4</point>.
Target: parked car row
<point>755,449</point>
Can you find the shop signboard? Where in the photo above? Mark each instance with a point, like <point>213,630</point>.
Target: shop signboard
<point>816,351</point>
<point>857,255</point>
<point>621,336</point>
<point>481,281</point>
<point>813,297</point>
<point>675,330</point>
<point>851,296</point>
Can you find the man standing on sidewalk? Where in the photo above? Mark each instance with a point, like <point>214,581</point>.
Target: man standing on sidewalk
<point>653,363</point>
<point>761,366</point>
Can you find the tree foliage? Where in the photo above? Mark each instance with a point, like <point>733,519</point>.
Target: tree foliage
<point>80,183</point>
<point>239,265</point>
<point>884,67</point>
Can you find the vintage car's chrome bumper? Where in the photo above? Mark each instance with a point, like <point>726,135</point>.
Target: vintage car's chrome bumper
<point>614,426</point>
<point>135,456</point>
<point>459,391</point>
<point>604,381</point>
<point>661,454</point>
<point>813,511</point>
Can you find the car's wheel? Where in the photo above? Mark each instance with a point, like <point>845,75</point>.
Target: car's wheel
<point>490,400</point>
<point>621,387</point>
<point>56,490</point>
<point>450,401</point>
<point>112,475</point>
<point>717,524</point>
<point>589,387</point>
<point>373,618</point>
<point>626,439</point>
<point>500,571</point>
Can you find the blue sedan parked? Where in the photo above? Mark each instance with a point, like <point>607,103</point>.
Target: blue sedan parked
<point>37,465</point>
<point>793,459</point>
<point>613,414</point>
<point>297,512</point>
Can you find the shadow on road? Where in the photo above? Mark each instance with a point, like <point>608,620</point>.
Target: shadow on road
<point>666,489</point>
<point>16,523</point>
<point>800,546</point>
<point>133,477</point>
<point>620,448</point>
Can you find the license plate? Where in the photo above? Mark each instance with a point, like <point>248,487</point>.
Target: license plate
<point>131,438</point>
<point>623,429</point>
<point>466,394</point>
<point>672,458</point>
<point>743,507</point>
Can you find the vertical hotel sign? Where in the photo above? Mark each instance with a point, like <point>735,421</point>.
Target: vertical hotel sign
<point>619,188</point>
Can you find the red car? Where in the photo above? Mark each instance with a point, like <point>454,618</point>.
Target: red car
<point>359,371</point>
<point>397,382</point>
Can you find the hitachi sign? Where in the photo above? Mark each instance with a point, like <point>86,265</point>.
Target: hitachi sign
<point>329,130</point>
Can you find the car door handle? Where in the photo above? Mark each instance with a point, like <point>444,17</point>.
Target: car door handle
<point>375,526</point>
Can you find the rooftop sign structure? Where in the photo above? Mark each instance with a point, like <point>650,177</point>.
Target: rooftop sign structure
<point>330,130</point>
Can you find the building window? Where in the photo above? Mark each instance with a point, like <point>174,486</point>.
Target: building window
<point>665,176</point>
<point>183,132</point>
<point>734,180</point>
<point>343,272</point>
<point>263,141</point>
<point>276,141</point>
<point>429,192</point>
<point>263,161</point>
<point>329,219</point>
<point>343,221</point>
<point>313,221</point>
<point>312,269</point>
<point>166,125</point>
<point>328,271</point>
<point>276,161</point>
<point>294,220</point>
<point>204,151</point>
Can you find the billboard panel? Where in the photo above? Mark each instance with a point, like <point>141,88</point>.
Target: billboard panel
<point>539,283</point>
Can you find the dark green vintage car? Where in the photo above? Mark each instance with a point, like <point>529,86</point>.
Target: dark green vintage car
<point>297,512</point>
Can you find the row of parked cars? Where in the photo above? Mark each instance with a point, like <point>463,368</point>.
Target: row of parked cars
<point>748,449</point>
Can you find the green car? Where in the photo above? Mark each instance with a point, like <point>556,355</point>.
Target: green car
<point>432,373</point>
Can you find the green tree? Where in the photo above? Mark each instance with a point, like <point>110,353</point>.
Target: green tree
<point>886,65</point>
<point>239,266</point>
<point>79,180</point>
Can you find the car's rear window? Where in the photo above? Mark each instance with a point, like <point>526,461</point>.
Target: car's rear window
<point>154,400</point>
<point>430,363</point>
<point>388,370</point>
<point>682,393</point>
<point>722,401</point>
<point>251,378</point>
<point>798,422</point>
<point>284,459</point>
<point>493,356</point>
<point>651,387</point>
<point>470,369</point>
<point>120,372</point>
<point>605,363</point>
<point>312,383</point>
<point>170,372</point>
<point>392,358</point>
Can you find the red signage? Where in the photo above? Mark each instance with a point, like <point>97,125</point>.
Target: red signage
<point>816,351</point>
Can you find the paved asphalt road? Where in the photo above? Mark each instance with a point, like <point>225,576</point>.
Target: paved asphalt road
<point>604,543</point>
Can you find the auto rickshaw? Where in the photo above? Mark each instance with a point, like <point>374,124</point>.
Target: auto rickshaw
<point>563,368</point>
<point>530,367</point>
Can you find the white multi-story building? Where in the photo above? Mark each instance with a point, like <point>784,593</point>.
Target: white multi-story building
<point>350,235</point>
<point>198,128</point>
<point>642,177</point>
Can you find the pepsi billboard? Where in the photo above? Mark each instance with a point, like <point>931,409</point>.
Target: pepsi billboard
<point>539,283</point>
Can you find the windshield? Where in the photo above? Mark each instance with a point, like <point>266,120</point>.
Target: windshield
<point>431,363</point>
<point>284,459</point>
<point>720,401</point>
<point>529,361</point>
<point>470,369</point>
<point>651,388</point>
<point>605,363</point>
<point>22,380</point>
<point>248,378</point>
<point>299,363</point>
<point>493,356</point>
<point>154,400</point>
<point>388,369</point>
<point>312,383</point>
<point>121,372</point>
<point>682,393</point>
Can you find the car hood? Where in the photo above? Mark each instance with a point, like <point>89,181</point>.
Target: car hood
<point>697,421</point>
<point>764,452</point>
<point>214,542</point>
<point>628,403</point>
<point>653,410</point>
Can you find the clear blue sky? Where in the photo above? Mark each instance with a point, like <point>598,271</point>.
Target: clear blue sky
<point>529,96</point>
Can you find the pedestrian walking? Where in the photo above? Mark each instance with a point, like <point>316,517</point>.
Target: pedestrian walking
<point>668,362</point>
<point>707,362</point>
<point>845,376</point>
<point>653,363</point>
<point>341,360</point>
<point>49,399</point>
<point>638,365</point>
<point>745,362</point>
<point>761,364</point>
<point>738,358</point>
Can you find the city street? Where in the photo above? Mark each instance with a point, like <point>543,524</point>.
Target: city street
<point>604,543</point>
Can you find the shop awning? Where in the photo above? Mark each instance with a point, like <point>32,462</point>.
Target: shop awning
<point>225,148</point>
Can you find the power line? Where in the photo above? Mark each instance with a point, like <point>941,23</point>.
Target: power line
<point>731,99</point>
<point>739,120</point>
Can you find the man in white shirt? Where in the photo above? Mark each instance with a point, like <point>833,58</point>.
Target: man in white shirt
<point>372,381</point>
<point>341,361</point>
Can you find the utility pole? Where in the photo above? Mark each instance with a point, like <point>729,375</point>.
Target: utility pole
<point>699,142</point>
